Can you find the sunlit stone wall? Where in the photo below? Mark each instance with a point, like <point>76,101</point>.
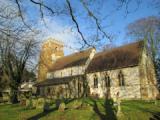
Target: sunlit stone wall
<point>131,90</point>
<point>148,78</point>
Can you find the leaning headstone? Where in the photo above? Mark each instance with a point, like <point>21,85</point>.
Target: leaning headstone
<point>62,107</point>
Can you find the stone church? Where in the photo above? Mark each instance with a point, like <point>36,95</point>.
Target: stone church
<point>126,71</point>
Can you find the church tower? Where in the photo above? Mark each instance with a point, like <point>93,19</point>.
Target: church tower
<point>51,50</point>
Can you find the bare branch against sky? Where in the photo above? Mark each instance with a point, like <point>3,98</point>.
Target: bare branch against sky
<point>95,23</point>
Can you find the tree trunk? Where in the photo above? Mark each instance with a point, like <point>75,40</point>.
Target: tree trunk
<point>14,97</point>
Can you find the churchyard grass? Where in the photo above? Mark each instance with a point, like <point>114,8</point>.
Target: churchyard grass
<point>91,110</point>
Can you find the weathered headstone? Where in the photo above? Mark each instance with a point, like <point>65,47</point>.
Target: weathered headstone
<point>40,103</point>
<point>62,107</point>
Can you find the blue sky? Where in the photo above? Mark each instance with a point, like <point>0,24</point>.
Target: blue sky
<point>61,27</point>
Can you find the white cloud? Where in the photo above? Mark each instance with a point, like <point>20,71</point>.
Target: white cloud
<point>58,30</point>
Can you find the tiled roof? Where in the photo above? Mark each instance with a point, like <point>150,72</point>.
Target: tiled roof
<point>115,58</point>
<point>75,59</point>
<point>57,81</point>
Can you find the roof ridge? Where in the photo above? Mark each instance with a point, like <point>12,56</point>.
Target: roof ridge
<point>119,47</point>
<point>123,56</point>
<point>75,59</point>
<point>82,51</point>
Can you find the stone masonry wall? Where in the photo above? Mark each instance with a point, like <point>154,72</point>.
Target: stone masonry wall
<point>71,71</point>
<point>148,78</point>
<point>73,89</point>
<point>51,50</point>
<point>131,90</point>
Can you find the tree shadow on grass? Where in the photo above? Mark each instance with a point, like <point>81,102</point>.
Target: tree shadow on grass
<point>42,114</point>
<point>109,110</point>
<point>155,116</point>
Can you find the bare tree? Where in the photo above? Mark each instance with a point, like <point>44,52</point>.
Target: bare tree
<point>17,47</point>
<point>147,29</point>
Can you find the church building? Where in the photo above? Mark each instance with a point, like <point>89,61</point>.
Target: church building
<point>126,71</point>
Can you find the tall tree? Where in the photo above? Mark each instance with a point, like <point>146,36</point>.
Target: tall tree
<point>148,29</point>
<point>158,71</point>
<point>18,45</point>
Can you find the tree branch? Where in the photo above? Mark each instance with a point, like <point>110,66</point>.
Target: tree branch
<point>43,5</point>
<point>76,23</point>
<point>90,13</point>
<point>21,15</point>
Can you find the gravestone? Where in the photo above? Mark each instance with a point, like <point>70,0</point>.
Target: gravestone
<point>62,107</point>
<point>40,103</point>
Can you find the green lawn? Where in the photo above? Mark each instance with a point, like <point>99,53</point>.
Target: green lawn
<point>92,110</point>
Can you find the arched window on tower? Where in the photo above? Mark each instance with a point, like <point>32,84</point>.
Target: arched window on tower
<point>95,81</point>
<point>107,80</point>
<point>121,78</point>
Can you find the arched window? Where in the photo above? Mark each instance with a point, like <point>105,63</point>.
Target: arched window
<point>95,81</point>
<point>107,80</point>
<point>79,87</point>
<point>61,74</point>
<point>71,71</point>
<point>48,91</point>
<point>121,78</point>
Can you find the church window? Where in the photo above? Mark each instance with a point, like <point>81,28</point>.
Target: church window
<point>95,81</point>
<point>61,74</point>
<point>79,87</point>
<point>121,79</point>
<point>71,71</point>
<point>48,90</point>
<point>107,80</point>
<point>74,82</point>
